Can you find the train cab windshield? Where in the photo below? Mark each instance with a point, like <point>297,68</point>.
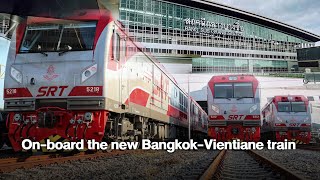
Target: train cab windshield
<point>61,36</point>
<point>298,107</point>
<point>291,107</point>
<point>233,90</point>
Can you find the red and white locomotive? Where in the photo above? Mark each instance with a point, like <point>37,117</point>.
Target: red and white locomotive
<point>82,77</point>
<point>287,117</point>
<point>234,108</point>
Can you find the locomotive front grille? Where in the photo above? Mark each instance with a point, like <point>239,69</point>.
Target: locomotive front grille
<point>294,128</point>
<point>70,104</point>
<point>252,123</point>
<point>19,105</point>
<point>61,103</point>
<point>217,123</point>
<point>80,104</point>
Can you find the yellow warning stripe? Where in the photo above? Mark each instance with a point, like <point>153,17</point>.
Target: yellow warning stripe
<point>53,138</point>
<point>297,141</point>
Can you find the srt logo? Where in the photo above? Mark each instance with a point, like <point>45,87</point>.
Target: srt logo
<point>51,91</point>
<point>50,73</point>
<point>234,109</point>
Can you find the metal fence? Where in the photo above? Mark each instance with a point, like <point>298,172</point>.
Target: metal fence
<point>311,77</point>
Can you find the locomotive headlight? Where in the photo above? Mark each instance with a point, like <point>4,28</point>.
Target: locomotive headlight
<point>215,109</point>
<point>17,117</point>
<point>72,121</point>
<point>306,119</point>
<point>88,116</point>
<point>253,129</point>
<point>16,74</point>
<point>253,108</point>
<point>88,72</point>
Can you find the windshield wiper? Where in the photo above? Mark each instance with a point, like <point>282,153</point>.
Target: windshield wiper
<point>68,48</point>
<point>223,98</point>
<point>62,52</point>
<point>243,98</point>
<point>45,54</point>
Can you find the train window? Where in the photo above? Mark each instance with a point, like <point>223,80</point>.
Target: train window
<point>243,90</point>
<point>61,36</point>
<point>284,106</point>
<point>175,92</point>
<point>223,90</point>
<point>125,48</point>
<point>117,47</point>
<point>298,107</point>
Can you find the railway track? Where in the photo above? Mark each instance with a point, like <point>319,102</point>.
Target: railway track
<point>11,164</point>
<point>245,165</point>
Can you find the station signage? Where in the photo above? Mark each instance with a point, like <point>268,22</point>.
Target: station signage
<point>210,28</point>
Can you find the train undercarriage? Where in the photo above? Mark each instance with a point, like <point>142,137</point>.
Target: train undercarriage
<point>61,125</point>
<point>297,136</point>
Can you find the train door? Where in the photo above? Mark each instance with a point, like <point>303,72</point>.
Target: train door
<point>120,56</point>
<point>124,74</point>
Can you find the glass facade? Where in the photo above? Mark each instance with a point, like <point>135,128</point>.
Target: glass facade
<point>172,29</point>
<point>219,65</point>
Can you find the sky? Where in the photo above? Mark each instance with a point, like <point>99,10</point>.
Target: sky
<point>304,14</point>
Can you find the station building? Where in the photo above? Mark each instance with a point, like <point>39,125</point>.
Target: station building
<point>202,36</point>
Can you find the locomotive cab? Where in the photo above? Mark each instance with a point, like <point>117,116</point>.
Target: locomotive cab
<point>53,78</point>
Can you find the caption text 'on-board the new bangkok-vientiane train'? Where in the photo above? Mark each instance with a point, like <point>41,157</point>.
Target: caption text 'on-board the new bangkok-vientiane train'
<point>82,77</point>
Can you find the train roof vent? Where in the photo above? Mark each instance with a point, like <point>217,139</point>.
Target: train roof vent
<point>233,78</point>
<point>284,99</point>
<point>297,99</point>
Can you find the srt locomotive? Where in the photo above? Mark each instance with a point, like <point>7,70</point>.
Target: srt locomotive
<point>234,108</point>
<point>287,117</point>
<point>83,77</point>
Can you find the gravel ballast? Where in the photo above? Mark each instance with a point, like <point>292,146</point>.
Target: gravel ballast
<point>303,162</point>
<point>146,165</point>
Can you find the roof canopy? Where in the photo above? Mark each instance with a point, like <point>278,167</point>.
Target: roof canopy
<point>237,13</point>
<point>63,8</point>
